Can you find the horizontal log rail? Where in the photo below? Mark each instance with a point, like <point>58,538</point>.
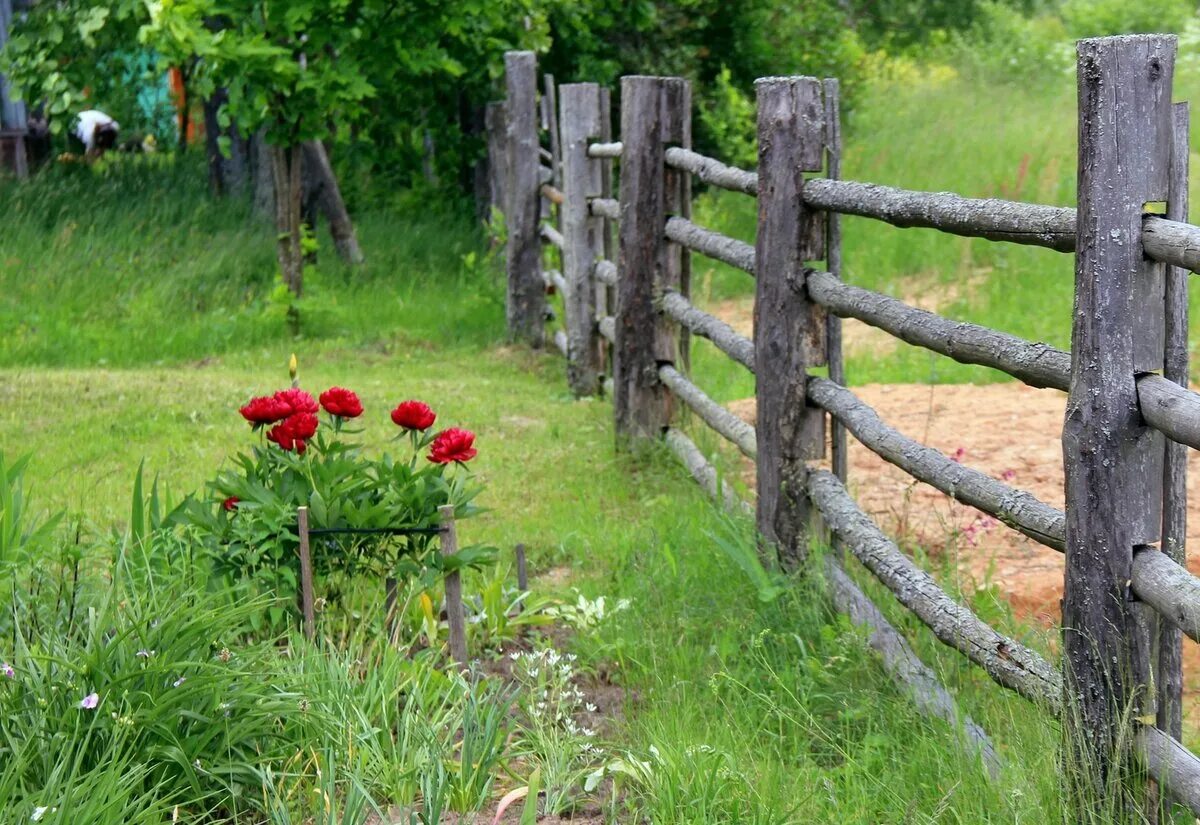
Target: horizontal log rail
<point>713,244</point>
<point>1006,660</point>
<point>1168,587</point>
<point>1018,509</point>
<point>713,172</point>
<point>605,150</point>
<point>545,154</point>
<point>1038,365</point>
<point>1172,242</point>
<point>895,653</point>
<point>607,327</point>
<point>552,235</point>
<point>704,473</point>
<point>1170,408</point>
<point>560,341</point>
<point>545,174</point>
<point>1170,764</point>
<point>606,272</point>
<point>605,208</point>
<point>998,220</point>
<point>555,279</point>
<point>737,347</point>
<point>713,414</point>
<point>550,193</point>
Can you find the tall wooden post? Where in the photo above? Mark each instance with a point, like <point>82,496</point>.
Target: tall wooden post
<point>833,264</point>
<point>455,615</point>
<point>526,290</point>
<point>307,601</point>
<point>582,233</point>
<point>1113,462</point>
<point>1169,667</point>
<point>497,140</point>
<point>789,330</point>
<point>655,113</point>
<point>606,296</point>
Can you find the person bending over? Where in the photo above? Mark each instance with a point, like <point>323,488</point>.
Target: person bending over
<point>97,131</point>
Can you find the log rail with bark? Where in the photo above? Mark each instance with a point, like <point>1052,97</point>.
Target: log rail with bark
<point>644,319</point>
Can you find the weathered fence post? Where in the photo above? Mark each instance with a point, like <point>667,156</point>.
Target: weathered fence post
<point>789,330</point>
<point>493,121</point>
<point>606,296</point>
<point>1169,666</point>
<point>833,264</point>
<point>582,233</point>
<point>526,289</point>
<point>1113,461</point>
<point>655,113</point>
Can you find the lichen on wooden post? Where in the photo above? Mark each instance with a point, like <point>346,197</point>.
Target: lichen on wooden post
<point>526,302</point>
<point>1113,461</point>
<point>655,113</point>
<point>789,329</point>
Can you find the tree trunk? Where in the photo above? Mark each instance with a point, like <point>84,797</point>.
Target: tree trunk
<point>217,182</point>
<point>285,161</point>
<point>329,200</point>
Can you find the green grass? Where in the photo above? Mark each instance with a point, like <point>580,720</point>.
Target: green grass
<point>136,315</point>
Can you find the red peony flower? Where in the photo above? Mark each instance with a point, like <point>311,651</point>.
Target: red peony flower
<point>413,415</point>
<point>294,431</point>
<point>341,402</point>
<point>265,410</point>
<point>453,445</point>
<point>297,401</point>
<point>230,503</point>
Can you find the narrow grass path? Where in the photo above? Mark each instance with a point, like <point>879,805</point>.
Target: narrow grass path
<point>747,709</point>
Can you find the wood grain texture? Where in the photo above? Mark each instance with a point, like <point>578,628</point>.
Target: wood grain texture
<point>655,111</point>
<point>789,329</point>
<point>1113,462</point>
<point>526,296</point>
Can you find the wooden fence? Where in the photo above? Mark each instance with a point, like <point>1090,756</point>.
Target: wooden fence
<point>1130,416</point>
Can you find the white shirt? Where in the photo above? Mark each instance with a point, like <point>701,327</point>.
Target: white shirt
<point>85,130</point>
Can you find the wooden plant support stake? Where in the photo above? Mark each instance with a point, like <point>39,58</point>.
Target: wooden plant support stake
<point>655,113</point>
<point>1113,461</point>
<point>390,596</point>
<point>454,601</point>
<point>526,290</point>
<point>582,234</point>
<point>306,576</point>
<point>789,329</point>
<point>522,572</point>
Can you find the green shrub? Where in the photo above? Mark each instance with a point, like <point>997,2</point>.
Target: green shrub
<point>1096,18</point>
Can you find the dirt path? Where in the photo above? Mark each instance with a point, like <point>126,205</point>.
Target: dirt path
<point>1009,431</point>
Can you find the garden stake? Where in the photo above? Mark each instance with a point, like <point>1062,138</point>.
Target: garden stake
<point>306,575</point>
<point>454,603</point>
<point>522,577</point>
